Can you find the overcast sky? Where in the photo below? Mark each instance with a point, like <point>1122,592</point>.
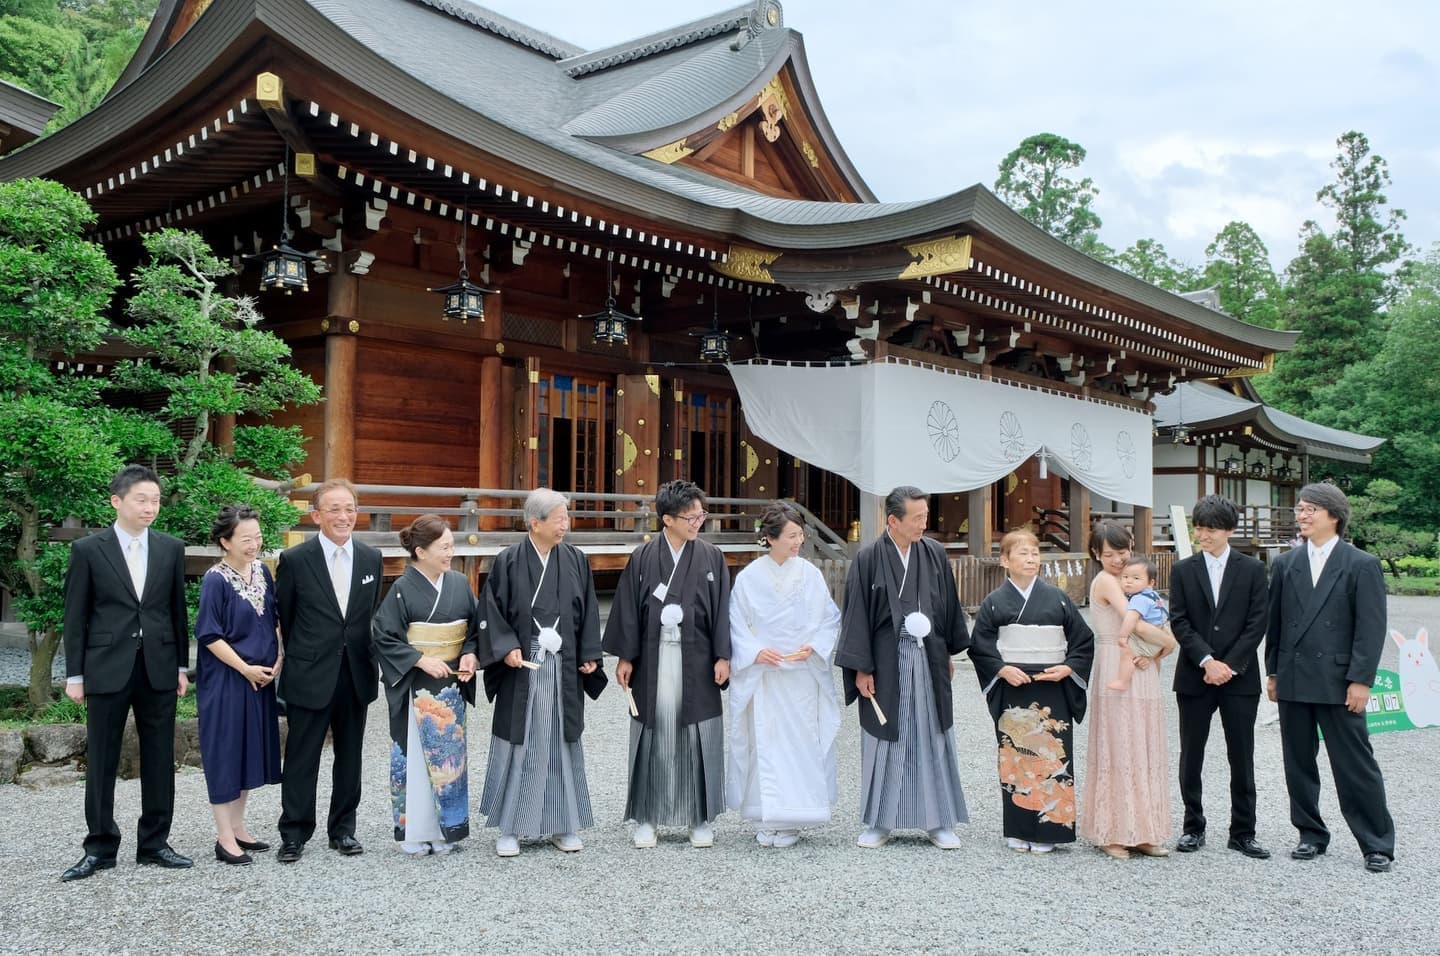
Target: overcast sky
<point>1193,114</point>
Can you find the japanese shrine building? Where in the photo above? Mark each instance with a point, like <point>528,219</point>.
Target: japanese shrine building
<point>688,177</point>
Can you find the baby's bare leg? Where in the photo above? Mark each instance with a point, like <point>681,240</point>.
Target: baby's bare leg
<point>1126,670</point>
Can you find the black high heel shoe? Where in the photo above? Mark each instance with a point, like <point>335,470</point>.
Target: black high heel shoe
<point>259,846</point>
<point>234,859</point>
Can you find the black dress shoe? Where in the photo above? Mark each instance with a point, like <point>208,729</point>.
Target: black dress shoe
<point>258,846</point>
<point>1250,848</point>
<point>347,845</point>
<point>165,857</point>
<point>234,859</point>
<point>88,866</point>
<point>1307,851</point>
<point>289,852</point>
<point>1190,842</point>
<point>1375,863</point>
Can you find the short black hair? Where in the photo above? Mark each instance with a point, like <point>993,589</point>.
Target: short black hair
<point>899,499</point>
<point>1215,511</point>
<point>776,516</point>
<point>229,519</point>
<point>675,496</point>
<point>130,476</point>
<point>1112,533</point>
<point>1325,495</point>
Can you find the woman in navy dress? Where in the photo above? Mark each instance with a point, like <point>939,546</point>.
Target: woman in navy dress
<point>238,663</point>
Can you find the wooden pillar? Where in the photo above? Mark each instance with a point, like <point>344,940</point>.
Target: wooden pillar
<point>981,534</point>
<point>491,471</point>
<point>527,417</point>
<point>1079,517</point>
<point>341,360</point>
<point>1144,530</point>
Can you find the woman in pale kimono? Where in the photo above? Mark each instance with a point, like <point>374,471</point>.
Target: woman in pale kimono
<point>1032,652</point>
<point>425,644</point>
<point>784,714</point>
<point>1127,798</point>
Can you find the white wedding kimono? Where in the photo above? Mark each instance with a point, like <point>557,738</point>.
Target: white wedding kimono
<point>783,718</point>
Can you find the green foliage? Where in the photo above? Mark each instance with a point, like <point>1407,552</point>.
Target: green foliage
<point>1367,236</point>
<point>1418,566</point>
<point>1147,259</point>
<point>202,348</point>
<point>1237,264</point>
<point>269,451</point>
<point>63,710</point>
<point>198,493</point>
<point>1373,527</point>
<point>71,51</point>
<point>1032,181</point>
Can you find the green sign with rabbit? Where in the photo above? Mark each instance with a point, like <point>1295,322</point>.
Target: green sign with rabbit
<point>1408,697</point>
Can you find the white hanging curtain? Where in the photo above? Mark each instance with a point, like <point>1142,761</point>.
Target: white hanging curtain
<point>893,423</point>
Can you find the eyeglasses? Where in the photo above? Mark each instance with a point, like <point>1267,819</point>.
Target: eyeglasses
<point>1305,511</point>
<point>697,518</point>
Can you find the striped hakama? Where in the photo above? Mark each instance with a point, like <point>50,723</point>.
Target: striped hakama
<point>912,782</point>
<point>538,788</point>
<point>677,770</point>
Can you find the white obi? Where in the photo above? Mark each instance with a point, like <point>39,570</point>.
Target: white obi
<point>1042,644</point>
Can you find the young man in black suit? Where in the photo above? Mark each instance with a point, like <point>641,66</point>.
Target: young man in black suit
<point>1327,630</point>
<point>127,645</point>
<point>1218,611</point>
<point>327,590</point>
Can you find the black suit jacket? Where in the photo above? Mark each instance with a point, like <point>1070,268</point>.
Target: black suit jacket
<point>1323,638</point>
<point>313,630</point>
<point>1230,632</point>
<point>105,619</point>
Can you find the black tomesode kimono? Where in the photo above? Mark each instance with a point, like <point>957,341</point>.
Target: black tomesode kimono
<point>677,743</point>
<point>1034,723</point>
<point>429,789</point>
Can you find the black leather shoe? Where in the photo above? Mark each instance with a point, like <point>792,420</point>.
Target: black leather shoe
<point>289,852</point>
<point>234,859</point>
<point>1250,848</point>
<point>1307,851</point>
<point>347,845</point>
<point>165,857</point>
<point>88,866</point>
<point>1190,842</point>
<point>258,846</point>
<point>1374,862</point>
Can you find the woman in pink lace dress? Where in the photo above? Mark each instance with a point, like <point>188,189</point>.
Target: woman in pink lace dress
<point>1127,792</point>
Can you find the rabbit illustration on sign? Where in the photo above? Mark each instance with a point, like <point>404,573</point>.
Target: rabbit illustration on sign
<point>1419,679</point>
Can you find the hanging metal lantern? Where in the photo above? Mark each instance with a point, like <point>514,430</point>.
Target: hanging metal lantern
<point>715,346</point>
<point>282,266</point>
<point>610,323</point>
<point>464,300</point>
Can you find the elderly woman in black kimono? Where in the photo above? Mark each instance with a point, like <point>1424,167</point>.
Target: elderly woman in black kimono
<point>1032,652</point>
<point>540,629</point>
<point>424,640</point>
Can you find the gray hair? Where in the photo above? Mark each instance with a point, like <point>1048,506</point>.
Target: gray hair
<point>540,502</point>
<point>898,500</point>
<point>1332,499</point>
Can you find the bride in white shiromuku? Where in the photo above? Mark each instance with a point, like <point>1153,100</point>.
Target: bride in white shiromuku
<point>784,713</point>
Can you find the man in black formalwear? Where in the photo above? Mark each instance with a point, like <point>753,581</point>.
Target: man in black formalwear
<point>127,645</point>
<point>1327,630</point>
<point>327,590</point>
<point>1218,611</point>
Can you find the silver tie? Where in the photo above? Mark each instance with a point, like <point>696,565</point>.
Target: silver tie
<point>135,559</point>
<point>340,578</point>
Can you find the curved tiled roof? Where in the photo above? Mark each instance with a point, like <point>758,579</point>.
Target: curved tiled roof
<point>718,24</point>
<point>477,15</point>
<point>1202,405</point>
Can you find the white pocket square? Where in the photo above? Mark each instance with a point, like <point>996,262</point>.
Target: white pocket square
<point>368,579</point>
<point>710,576</point>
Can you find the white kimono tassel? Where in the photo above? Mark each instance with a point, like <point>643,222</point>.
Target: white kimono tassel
<point>917,625</point>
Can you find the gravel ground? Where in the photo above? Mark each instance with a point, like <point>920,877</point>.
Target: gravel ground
<point>824,895</point>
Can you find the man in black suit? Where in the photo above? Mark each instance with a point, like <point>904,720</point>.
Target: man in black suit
<point>1327,629</point>
<point>1218,610</point>
<point>127,645</point>
<point>327,590</point>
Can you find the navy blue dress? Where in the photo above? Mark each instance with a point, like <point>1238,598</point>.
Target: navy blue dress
<point>239,727</point>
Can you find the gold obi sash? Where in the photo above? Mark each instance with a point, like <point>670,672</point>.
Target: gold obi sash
<point>441,641</point>
<point>1032,644</point>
